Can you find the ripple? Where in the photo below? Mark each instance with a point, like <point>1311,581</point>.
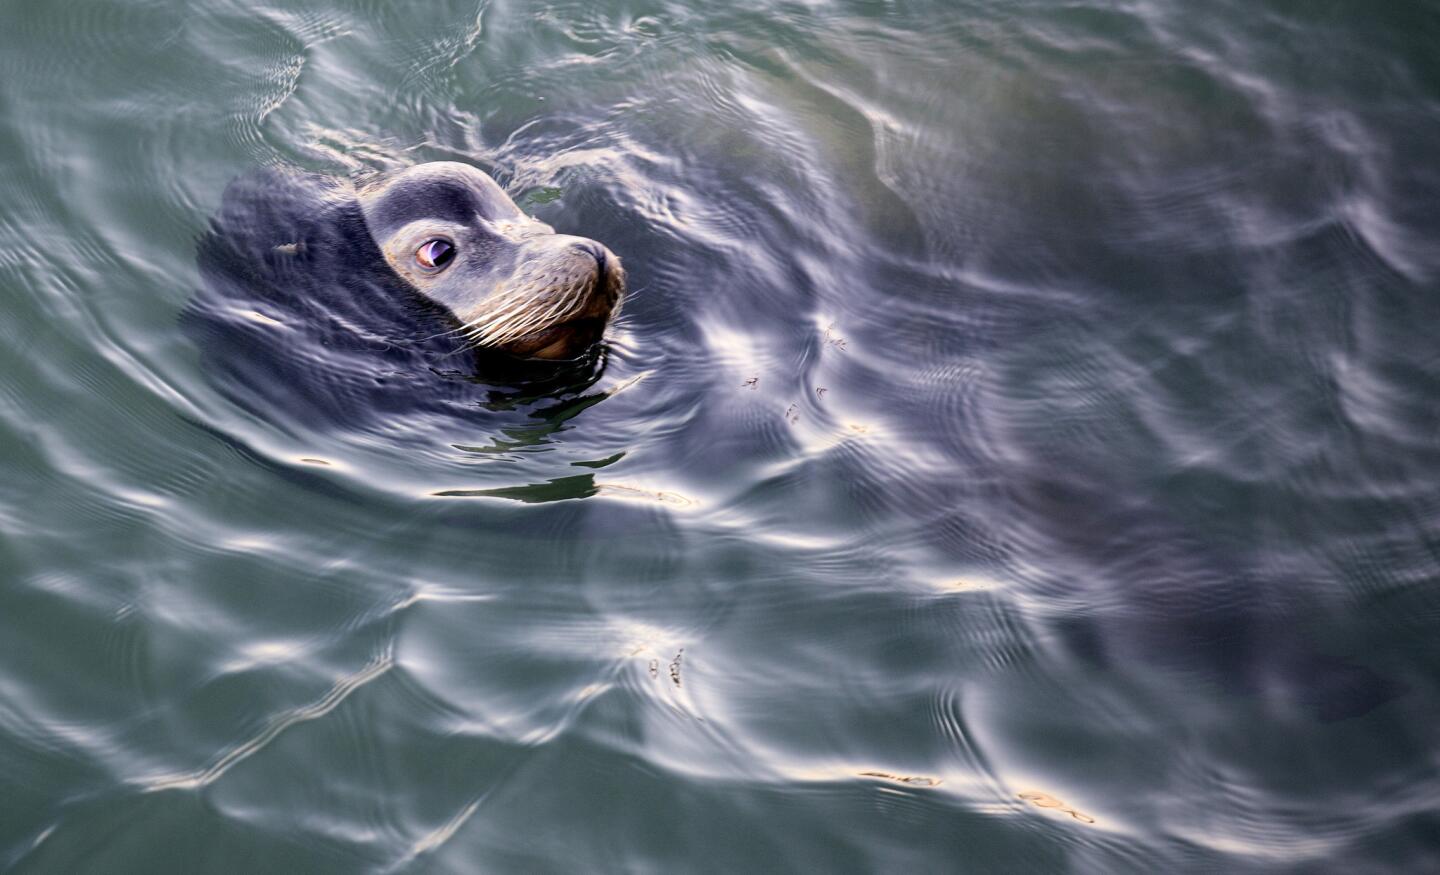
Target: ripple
<point>243,750</point>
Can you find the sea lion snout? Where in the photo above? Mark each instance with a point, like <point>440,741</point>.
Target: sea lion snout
<point>554,303</point>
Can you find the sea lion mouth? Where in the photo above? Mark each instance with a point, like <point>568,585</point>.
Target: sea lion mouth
<point>554,342</point>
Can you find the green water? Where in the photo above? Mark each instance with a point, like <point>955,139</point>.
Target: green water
<point>1018,452</point>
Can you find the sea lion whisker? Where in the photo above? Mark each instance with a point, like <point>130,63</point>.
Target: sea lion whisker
<point>513,316</point>
<point>565,306</point>
<point>490,323</point>
<point>495,318</point>
<point>558,311</point>
<point>510,329</point>
<point>533,319</point>
<point>524,326</point>
<point>498,302</point>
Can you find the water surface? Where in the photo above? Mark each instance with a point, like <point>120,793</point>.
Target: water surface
<point>1019,452</point>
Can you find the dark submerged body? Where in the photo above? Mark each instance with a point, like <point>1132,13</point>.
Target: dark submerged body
<point>1141,588</point>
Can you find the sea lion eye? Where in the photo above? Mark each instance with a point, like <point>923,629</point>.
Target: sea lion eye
<point>433,255</point>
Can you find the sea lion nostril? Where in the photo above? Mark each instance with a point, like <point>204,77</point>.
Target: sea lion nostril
<point>594,250</point>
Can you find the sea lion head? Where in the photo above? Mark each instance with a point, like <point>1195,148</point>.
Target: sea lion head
<point>454,235</point>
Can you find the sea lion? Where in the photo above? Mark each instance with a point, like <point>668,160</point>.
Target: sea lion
<point>390,295</point>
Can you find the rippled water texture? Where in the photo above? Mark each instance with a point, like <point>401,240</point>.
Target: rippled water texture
<point>1018,453</point>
